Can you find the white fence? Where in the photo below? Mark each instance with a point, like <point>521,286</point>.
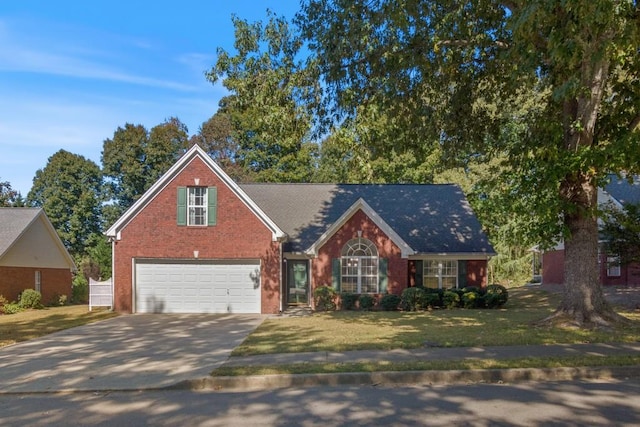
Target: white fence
<point>100,294</point>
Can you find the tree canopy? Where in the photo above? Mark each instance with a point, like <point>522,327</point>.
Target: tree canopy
<point>69,189</point>
<point>271,90</point>
<point>135,158</point>
<point>456,72</point>
<point>9,196</point>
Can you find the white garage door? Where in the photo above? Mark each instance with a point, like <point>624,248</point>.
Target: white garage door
<point>220,287</point>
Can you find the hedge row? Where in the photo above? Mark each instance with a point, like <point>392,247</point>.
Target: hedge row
<point>419,298</point>
<point>414,299</point>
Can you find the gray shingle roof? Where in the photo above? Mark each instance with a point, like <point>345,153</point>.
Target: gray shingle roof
<point>623,190</point>
<point>429,218</point>
<point>13,222</point>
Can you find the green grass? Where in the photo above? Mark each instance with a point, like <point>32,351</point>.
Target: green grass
<point>31,324</point>
<point>347,330</point>
<point>435,365</point>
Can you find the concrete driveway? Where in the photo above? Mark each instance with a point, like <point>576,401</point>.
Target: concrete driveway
<point>128,352</point>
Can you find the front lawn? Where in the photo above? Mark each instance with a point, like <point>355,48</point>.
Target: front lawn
<point>30,324</point>
<point>352,330</point>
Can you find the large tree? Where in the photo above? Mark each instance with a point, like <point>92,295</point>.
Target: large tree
<point>135,158</point>
<point>216,137</point>
<point>8,195</point>
<point>271,87</point>
<point>68,188</point>
<point>457,71</point>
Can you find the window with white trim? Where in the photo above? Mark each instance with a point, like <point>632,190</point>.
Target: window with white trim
<point>440,274</point>
<point>613,266</point>
<point>197,205</point>
<point>38,281</point>
<point>359,267</point>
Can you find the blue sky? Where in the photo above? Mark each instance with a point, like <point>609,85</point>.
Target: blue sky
<point>71,72</point>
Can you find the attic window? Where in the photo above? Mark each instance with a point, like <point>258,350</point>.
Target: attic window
<point>197,206</point>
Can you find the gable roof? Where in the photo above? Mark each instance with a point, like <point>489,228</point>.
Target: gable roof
<point>193,153</point>
<point>15,222</point>
<point>625,190</point>
<point>430,219</point>
<point>360,204</point>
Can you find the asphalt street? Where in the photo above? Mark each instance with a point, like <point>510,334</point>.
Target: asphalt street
<point>613,403</point>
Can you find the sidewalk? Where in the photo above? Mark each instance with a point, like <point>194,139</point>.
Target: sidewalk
<point>262,382</point>
<point>439,353</point>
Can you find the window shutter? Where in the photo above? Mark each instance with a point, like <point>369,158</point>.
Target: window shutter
<point>335,274</point>
<point>182,206</point>
<point>462,274</point>
<point>383,278</point>
<point>212,206</point>
<point>419,272</point>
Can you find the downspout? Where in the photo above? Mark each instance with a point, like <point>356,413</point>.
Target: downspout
<point>281,276</point>
<point>113,273</point>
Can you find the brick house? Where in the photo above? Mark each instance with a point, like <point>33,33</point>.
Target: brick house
<point>32,256</point>
<point>196,241</point>
<point>617,193</point>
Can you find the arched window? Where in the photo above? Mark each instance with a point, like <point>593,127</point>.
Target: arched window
<point>359,269</point>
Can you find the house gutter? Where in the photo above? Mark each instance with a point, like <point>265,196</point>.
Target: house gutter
<point>281,275</point>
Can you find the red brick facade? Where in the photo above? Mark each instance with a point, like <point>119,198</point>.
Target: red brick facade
<point>238,234</point>
<point>54,282</point>
<point>396,267</point>
<point>151,232</point>
<point>553,271</point>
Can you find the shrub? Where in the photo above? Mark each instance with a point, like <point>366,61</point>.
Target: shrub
<point>435,291</point>
<point>348,300</point>
<point>80,290</point>
<point>58,300</point>
<point>11,308</point>
<point>390,302</point>
<point>496,296</point>
<point>470,299</point>
<point>367,302</point>
<point>432,299</point>
<point>324,298</point>
<point>3,301</point>
<point>30,298</point>
<point>413,299</point>
<point>450,299</point>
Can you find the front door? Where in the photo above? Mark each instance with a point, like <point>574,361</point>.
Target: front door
<point>298,282</point>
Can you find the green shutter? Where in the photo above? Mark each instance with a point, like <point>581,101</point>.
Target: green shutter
<point>335,274</point>
<point>383,278</point>
<point>419,272</point>
<point>462,274</point>
<point>212,206</point>
<point>182,206</point>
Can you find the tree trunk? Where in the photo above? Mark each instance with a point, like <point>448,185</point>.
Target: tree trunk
<point>583,303</point>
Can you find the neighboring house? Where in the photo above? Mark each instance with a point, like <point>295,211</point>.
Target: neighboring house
<point>32,256</point>
<point>618,192</point>
<point>198,242</point>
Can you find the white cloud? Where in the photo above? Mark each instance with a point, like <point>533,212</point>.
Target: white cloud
<point>54,53</point>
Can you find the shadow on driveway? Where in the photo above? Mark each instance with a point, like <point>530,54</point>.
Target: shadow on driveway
<point>125,353</point>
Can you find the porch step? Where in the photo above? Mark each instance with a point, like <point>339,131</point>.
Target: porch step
<point>297,311</point>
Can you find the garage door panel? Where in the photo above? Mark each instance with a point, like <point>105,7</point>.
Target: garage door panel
<point>197,288</point>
